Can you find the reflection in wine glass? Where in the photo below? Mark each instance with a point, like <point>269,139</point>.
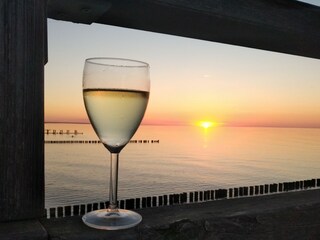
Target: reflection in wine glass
<point>115,93</point>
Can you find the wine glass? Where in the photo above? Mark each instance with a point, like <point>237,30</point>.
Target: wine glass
<point>116,94</point>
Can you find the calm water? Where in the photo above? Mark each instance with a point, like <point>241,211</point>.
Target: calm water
<point>186,159</point>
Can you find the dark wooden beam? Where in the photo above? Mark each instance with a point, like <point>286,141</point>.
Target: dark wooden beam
<point>285,26</point>
<point>22,57</point>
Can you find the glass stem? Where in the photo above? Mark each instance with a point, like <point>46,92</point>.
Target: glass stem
<point>113,190</point>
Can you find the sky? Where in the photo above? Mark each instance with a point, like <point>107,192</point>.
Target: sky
<point>191,80</point>
<point>313,2</point>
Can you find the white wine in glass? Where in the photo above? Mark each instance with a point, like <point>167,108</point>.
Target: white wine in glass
<point>116,94</point>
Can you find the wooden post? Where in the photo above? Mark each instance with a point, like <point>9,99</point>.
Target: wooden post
<point>280,187</point>
<point>121,205</point>
<point>171,198</point>
<point>144,202</point>
<point>138,201</point>
<point>160,200</point>
<point>191,197</point>
<point>176,198</point>
<point>22,56</point>
<point>201,196</point>
<point>95,206</point>
<point>183,197</point>
<point>52,213</point>
<point>256,190</point>
<point>67,211</point>
<point>205,196</point>
<point>251,190</point>
<point>130,203</point>
<point>261,189</point>
<point>102,205</point>
<point>60,211</point>
<point>89,207</point>
<point>212,194</point>
<point>76,210</point>
<point>241,191</point>
<point>82,209</point>
<point>236,192</point>
<point>196,196</point>
<point>230,192</point>
<point>154,201</point>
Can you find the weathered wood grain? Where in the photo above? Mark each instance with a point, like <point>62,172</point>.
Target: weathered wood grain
<point>22,58</point>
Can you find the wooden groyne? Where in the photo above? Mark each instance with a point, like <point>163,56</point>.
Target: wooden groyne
<point>186,198</point>
<point>96,141</point>
<point>61,132</point>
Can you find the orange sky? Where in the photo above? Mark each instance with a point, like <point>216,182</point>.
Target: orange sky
<point>191,80</point>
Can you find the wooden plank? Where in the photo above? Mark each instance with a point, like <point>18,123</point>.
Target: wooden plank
<point>284,26</point>
<point>22,57</point>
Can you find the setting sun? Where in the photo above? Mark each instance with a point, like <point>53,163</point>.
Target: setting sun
<point>206,124</point>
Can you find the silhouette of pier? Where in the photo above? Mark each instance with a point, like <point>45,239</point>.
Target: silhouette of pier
<point>68,132</point>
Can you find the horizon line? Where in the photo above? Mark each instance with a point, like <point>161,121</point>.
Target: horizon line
<point>180,124</point>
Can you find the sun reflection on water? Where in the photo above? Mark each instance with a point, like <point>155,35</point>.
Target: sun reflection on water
<point>207,127</point>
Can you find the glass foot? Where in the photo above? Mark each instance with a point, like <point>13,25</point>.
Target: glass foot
<point>109,220</point>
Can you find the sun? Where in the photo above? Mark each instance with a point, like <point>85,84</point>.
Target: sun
<point>206,124</point>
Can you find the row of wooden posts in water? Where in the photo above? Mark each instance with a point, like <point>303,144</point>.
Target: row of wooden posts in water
<point>97,141</point>
<point>61,132</point>
<point>75,132</point>
<point>186,198</point>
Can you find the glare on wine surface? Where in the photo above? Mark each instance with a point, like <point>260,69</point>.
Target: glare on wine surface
<point>115,114</point>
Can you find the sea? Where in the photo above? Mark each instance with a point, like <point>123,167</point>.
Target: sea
<point>174,159</point>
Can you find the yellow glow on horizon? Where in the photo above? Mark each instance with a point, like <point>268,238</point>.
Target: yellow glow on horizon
<point>207,124</point>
